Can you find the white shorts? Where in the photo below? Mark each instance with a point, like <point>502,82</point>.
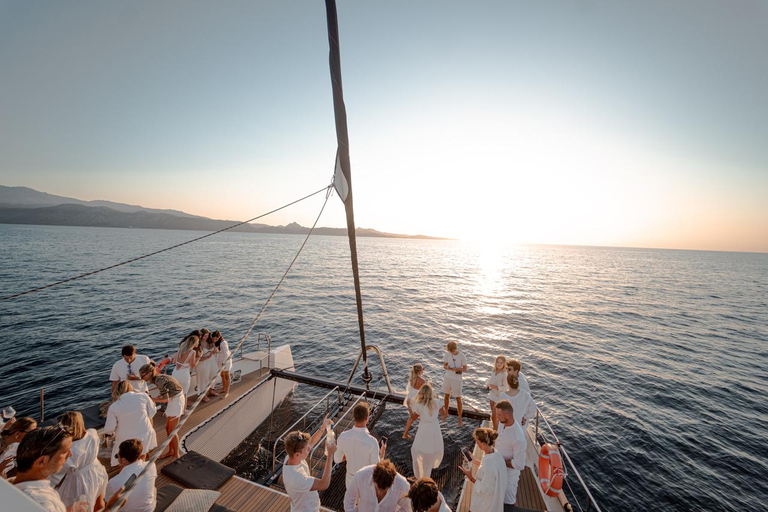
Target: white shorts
<point>176,406</point>
<point>452,386</point>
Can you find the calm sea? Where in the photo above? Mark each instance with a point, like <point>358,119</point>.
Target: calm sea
<point>650,364</point>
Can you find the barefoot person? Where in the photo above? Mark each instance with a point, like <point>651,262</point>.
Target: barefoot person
<point>186,360</point>
<point>415,381</point>
<point>356,445</point>
<point>455,365</point>
<point>172,393</point>
<point>490,482</point>
<point>496,384</point>
<point>130,417</point>
<point>299,483</point>
<point>207,367</point>
<point>223,359</point>
<point>427,448</point>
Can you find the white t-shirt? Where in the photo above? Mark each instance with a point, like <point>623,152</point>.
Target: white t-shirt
<point>120,372</point>
<point>43,494</point>
<point>298,484</point>
<point>511,445</point>
<point>454,361</point>
<point>143,497</point>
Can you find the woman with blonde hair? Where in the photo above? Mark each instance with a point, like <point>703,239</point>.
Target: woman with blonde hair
<point>427,449</point>
<point>491,477</point>
<point>82,473</point>
<point>207,365</point>
<point>12,436</point>
<point>415,382</point>
<point>496,384</point>
<point>129,417</point>
<point>186,360</point>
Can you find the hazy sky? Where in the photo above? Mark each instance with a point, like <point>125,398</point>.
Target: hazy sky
<point>638,123</point>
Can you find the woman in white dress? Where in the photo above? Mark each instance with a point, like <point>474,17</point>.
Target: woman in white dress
<point>12,436</point>
<point>130,418</point>
<point>427,449</point>
<point>523,406</point>
<point>206,366</point>
<point>186,360</point>
<point>415,382</point>
<point>223,360</point>
<point>82,473</point>
<point>496,384</point>
<point>490,482</point>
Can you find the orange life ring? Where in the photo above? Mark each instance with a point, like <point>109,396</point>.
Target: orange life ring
<point>163,363</point>
<point>551,474</point>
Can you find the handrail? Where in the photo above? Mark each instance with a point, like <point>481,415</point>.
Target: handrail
<point>338,422</point>
<point>592,501</point>
<point>290,429</point>
<point>383,367</point>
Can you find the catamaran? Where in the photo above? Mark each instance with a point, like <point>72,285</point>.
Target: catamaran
<point>264,376</point>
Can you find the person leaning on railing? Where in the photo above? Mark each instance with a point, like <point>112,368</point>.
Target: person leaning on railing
<point>299,483</point>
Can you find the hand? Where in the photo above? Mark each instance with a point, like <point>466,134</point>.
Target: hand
<point>463,470</point>
<point>331,448</point>
<point>4,465</point>
<point>492,386</point>
<point>113,499</point>
<point>382,450</point>
<point>327,422</point>
<point>132,376</point>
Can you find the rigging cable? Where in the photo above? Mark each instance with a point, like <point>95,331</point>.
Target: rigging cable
<point>184,417</point>
<point>87,274</point>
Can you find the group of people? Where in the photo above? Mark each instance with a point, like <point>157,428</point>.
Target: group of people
<point>59,469</point>
<point>372,482</point>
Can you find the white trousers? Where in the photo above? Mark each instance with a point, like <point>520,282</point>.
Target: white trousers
<point>513,477</point>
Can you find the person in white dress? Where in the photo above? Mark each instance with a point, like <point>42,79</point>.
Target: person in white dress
<point>82,474</point>
<point>224,361</point>
<point>415,381</point>
<point>490,481</point>
<point>127,368</point>
<point>522,403</point>
<point>186,360</point>
<point>302,488</point>
<point>513,367</point>
<point>427,449</point>
<point>455,364</point>
<point>356,445</point>
<point>425,497</point>
<point>130,417</point>
<point>143,497</point>
<point>511,445</point>
<point>378,488</point>
<point>496,384</point>
<point>206,366</point>
<point>12,436</point>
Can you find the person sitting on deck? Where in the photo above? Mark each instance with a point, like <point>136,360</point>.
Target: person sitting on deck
<point>127,368</point>
<point>42,453</point>
<point>455,363</point>
<point>425,497</point>
<point>356,445</point>
<point>513,368</point>
<point>490,481</point>
<point>143,498</point>
<point>299,483</point>
<point>378,487</point>
<point>511,445</point>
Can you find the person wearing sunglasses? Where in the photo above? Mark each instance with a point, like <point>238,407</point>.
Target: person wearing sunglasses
<point>12,436</point>
<point>127,368</point>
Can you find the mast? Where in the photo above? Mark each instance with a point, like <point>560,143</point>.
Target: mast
<point>342,180</point>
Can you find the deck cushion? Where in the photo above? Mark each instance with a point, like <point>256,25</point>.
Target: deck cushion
<point>165,496</point>
<point>198,472</point>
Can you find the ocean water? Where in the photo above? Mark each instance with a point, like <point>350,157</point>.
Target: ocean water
<point>650,364</point>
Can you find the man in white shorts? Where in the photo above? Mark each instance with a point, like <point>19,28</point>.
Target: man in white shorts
<point>455,364</point>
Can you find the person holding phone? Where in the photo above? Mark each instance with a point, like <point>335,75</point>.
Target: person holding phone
<point>490,481</point>
<point>455,364</point>
<point>143,498</point>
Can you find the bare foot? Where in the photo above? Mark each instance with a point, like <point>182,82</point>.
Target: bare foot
<point>406,436</point>
<point>225,395</point>
<point>165,456</point>
<point>459,422</point>
<point>206,399</point>
<point>212,393</point>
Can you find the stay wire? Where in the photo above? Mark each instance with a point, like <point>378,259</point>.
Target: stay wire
<point>87,274</point>
<point>202,394</point>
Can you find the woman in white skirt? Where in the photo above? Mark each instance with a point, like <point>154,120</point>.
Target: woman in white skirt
<point>490,481</point>
<point>206,366</point>
<point>496,384</point>
<point>171,392</point>
<point>415,382</point>
<point>82,473</point>
<point>427,449</point>
<point>223,360</point>
<point>186,360</point>
<point>130,417</point>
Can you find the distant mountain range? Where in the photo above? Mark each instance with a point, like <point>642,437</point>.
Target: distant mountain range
<point>22,205</point>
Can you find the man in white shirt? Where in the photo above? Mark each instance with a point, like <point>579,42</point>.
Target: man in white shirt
<point>143,497</point>
<point>357,445</point>
<point>513,368</point>
<point>127,368</point>
<point>425,497</point>
<point>455,365</point>
<point>511,445</point>
<point>299,484</point>
<point>378,488</point>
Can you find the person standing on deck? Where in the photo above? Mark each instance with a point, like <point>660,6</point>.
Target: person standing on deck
<point>378,488</point>
<point>522,403</point>
<point>172,393</point>
<point>427,449</point>
<point>356,445</point>
<point>455,365</point>
<point>490,482</point>
<point>415,381</point>
<point>206,366</point>
<point>299,483</point>
<point>143,498</point>
<point>186,360</point>
<point>223,360</point>
<point>513,368</point>
<point>425,497</point>
<point>511,445</point>
<point>496,384</point>
<point>127,368</point>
